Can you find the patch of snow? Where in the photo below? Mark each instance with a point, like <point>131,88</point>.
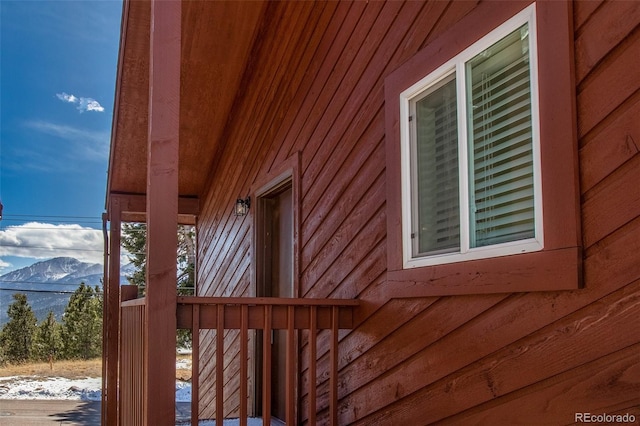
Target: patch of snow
<point>30,387</point>
<point>89,389</point>
<point>183,392</point>
<point>55,276</point>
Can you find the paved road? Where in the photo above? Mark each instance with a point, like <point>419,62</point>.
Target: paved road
<point>49,412</point>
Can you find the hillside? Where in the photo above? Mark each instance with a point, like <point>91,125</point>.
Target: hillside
<point>49,284</point>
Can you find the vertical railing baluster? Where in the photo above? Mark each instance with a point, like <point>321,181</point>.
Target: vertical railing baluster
<point>313,336</point>
<point>130,384</point>
<point>266,365</point>
<point>290,367</point>
<point>122,359</point>
<point>124,348</point>
<point>195,364</point>
<point>140,346</point>
<point>142,366</point>
<point>134,393</point>
<point>244,354</point>
<point>131,354</point>
<point>333,408</point>
<point>219,364</point>
<point>137,365</point>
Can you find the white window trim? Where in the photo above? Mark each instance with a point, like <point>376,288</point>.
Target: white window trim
<point>457,65</point>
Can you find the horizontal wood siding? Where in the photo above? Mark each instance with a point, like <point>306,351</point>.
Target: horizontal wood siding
<point>315,88</point>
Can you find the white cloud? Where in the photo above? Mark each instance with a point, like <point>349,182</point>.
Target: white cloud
<point>83,104</point>
<point>69,132</point>
<point>44,241</point>
<point>87,144</point>
<point>89,104</point>
<point>68,98</point>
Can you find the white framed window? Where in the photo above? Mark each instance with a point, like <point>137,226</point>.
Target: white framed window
<point>470,152</point>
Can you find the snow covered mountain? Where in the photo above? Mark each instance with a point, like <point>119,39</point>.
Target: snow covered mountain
<point>65,270</point>
<point>49,284</point>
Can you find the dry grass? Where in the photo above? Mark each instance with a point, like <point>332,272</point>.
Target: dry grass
<point>74,369</point>
<point>69,369</point>
<point>183,374</point>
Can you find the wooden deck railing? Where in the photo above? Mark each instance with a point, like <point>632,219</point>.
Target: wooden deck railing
<point>132,366</point>
<point>242,315</point>
<point>266,314</point>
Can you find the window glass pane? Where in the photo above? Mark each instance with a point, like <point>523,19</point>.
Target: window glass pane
<point>436,210</point>
<point>500,142</point>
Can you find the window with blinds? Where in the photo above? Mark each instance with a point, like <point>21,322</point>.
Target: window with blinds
<point>474,175</point>
<point>501,194</point>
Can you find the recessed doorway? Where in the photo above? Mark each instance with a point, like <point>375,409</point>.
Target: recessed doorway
<point>274,278</point>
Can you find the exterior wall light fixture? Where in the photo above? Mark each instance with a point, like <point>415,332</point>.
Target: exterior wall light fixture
<point>242,206</point>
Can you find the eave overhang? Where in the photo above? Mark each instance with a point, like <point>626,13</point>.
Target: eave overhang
<point>217,39</point>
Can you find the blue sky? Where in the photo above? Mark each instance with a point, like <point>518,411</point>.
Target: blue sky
<point>58,69</point>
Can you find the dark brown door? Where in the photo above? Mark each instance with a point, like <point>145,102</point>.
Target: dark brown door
<point>277,280</point>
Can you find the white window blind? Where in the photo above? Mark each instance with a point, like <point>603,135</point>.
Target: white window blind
<point>501,187</point>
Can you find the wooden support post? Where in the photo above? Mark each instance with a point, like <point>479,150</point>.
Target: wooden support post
<point>128,292</point>
<point>105,317</point>
<point>162,211</point>
<point>111,316</point>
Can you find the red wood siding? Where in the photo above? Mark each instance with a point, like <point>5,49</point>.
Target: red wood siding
<point>315,88</point>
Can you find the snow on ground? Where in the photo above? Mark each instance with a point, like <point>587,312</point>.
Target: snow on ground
<point>32,387</point>
<point>89,389</point>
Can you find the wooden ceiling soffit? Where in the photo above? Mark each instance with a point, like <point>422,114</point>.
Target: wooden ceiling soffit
<point>133,207</point>
<point>127,160</point>
<point>217,40</point>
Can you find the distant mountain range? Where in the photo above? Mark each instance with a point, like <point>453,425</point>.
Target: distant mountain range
<point>49,284</point>
<point>60,270</point>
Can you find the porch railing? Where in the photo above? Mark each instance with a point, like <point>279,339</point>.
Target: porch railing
<point>267,315</point>
<point>132,366</point>
<point>242,315</point>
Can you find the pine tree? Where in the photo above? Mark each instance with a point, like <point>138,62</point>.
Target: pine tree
<point>134,240</point>
<point>82,324</point>
<point>17,334</point>
<point>47,342</point>
<point>186,260</point>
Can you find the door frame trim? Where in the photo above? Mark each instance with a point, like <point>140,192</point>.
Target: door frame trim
<point>270,183</point>
<point>285,174</point>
